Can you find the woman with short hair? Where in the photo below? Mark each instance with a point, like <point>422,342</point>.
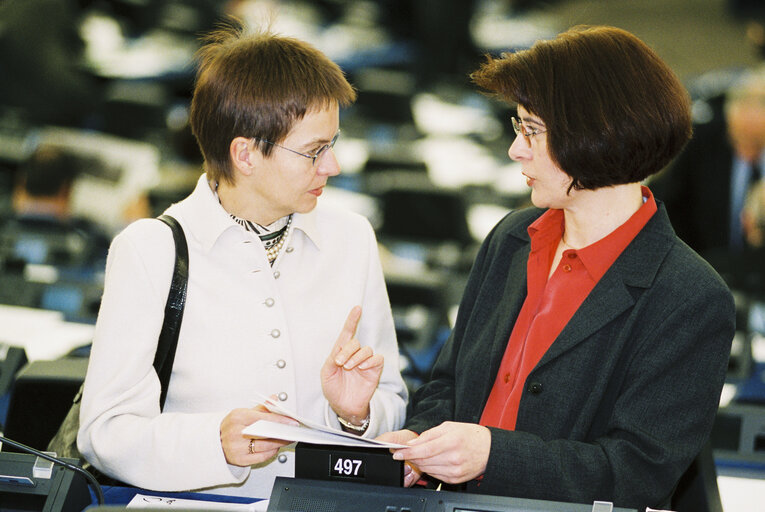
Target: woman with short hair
<point>286,299</point>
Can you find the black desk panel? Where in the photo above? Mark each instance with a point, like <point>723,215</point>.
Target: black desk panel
<point>302,495</point>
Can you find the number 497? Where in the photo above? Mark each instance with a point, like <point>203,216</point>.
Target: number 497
<point>348,467</point>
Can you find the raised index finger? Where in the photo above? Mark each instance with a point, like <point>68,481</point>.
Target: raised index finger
<point>351,323</point>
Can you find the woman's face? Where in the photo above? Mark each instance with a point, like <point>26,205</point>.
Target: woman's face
<point>549,184</point>
<point>285,182</point>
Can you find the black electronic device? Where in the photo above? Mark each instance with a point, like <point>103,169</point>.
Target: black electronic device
<point>11,360</point>
<point>21,490</point>
<point>43,389</point>
<point>303,495</point>
<point>348,464</point>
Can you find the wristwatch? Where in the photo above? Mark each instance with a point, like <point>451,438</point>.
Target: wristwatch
<point>355,428</point>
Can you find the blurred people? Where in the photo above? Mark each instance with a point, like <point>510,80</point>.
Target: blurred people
<point>41,56</point>
<point>43,228</point>
<point>705,188</point>
<point>753,216</point>
<point>286,299</point>
<point>591,344</point>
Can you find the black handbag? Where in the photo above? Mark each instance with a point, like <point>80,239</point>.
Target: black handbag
<point>64,443</point>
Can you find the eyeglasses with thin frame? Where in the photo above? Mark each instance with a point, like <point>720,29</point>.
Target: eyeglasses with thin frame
<point>313,157</point>
<point>520,128</point>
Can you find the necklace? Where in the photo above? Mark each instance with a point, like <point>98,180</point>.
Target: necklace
<point>273,241</point>
<point>273,247</point>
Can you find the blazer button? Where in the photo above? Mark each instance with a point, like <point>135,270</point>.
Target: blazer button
<point>276,333</point>
<point>535,388</point>
<point>282,396</point>
<point>282,458</point>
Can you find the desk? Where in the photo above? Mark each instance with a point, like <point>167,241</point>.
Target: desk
<point>741,484</point>
<point>43,334</point>
<point>115,496</point>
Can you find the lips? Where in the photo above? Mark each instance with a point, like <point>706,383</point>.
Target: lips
<point>529,180</point>
<point>316,192</point>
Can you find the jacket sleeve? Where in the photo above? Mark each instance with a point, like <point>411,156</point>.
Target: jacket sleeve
<point>122,432</point>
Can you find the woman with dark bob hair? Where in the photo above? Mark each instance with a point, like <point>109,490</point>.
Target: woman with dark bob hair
<point>591,343</point>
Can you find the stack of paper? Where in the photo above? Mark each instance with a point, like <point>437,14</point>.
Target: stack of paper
<point>308,431</point>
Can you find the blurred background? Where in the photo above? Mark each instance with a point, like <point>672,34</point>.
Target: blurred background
<point>94,98</point>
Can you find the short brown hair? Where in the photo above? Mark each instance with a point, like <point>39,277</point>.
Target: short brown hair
<point>257,85</point>
<point>615,112</point>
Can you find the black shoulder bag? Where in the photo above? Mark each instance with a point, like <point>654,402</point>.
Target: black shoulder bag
<point>64,443</point>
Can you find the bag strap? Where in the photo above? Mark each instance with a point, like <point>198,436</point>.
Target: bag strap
<point>176,300</point>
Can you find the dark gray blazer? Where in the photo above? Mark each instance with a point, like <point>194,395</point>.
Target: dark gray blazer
<point>625,397</point>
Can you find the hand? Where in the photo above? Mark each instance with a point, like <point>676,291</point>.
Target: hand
<point>411,473</point>
<point>238,448</point>
<point>351,373</point>
<point>451,452</point>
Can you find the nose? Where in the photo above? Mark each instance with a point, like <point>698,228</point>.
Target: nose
<point>519,149</point>
<point>327,163</point>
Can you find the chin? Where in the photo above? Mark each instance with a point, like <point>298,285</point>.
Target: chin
<point>307,206</point>
<point>539,201</point>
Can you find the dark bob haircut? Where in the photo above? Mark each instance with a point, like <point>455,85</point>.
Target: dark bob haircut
<point>615,113</point>
<point>257,85</point>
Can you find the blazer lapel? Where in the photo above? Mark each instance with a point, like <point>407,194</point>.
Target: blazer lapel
<point>636,267</point>
<point>513,293</point>
<point>513,296</point>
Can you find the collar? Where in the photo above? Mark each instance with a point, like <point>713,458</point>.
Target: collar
<point>208,220</point>
<point>597,257</point>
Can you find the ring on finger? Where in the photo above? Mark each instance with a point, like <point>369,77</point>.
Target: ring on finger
<point>252,446</point>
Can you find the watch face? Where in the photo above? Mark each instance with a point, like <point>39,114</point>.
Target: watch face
<point>343,466</point>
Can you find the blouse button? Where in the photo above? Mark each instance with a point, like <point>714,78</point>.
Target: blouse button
<point>535,388</point>
<point>566,268</point>
<point>282,396</point>
<point>277,274</point>
<point>281,363</point>
<point>290,249</point>
<point>282,458</point>
<point>507,378</point>
<point>269,302</point>
<point>276,333</point>
<point>571,255</point>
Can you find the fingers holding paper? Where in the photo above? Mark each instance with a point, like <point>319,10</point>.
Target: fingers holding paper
<point>241,450</point>
<point>411,472</point>
<point>351,373</point>
<point>451,452</point>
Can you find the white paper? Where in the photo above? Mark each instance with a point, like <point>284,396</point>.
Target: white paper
<point>273,430</point>
<point>147,501</point>
<point>308,432</point>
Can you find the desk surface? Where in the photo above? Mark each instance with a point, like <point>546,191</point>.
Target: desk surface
<point>741,485</point>
<point>43,334</point>
<point>114,495</point>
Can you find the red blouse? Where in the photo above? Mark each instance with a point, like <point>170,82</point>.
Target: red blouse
<point>550,304</point>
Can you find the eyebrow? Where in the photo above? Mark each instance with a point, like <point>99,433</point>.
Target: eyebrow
<point>320,141</point>
<point>532,121</point>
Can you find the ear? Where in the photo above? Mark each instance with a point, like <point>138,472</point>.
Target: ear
<point>241,155</point>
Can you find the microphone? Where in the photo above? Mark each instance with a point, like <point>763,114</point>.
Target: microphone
<point>90,478</point>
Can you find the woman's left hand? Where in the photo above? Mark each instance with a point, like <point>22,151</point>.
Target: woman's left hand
<point>351,373</point>
<point>451,452</point>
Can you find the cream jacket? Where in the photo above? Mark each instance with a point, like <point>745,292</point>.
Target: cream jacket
<point>249,330</point>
